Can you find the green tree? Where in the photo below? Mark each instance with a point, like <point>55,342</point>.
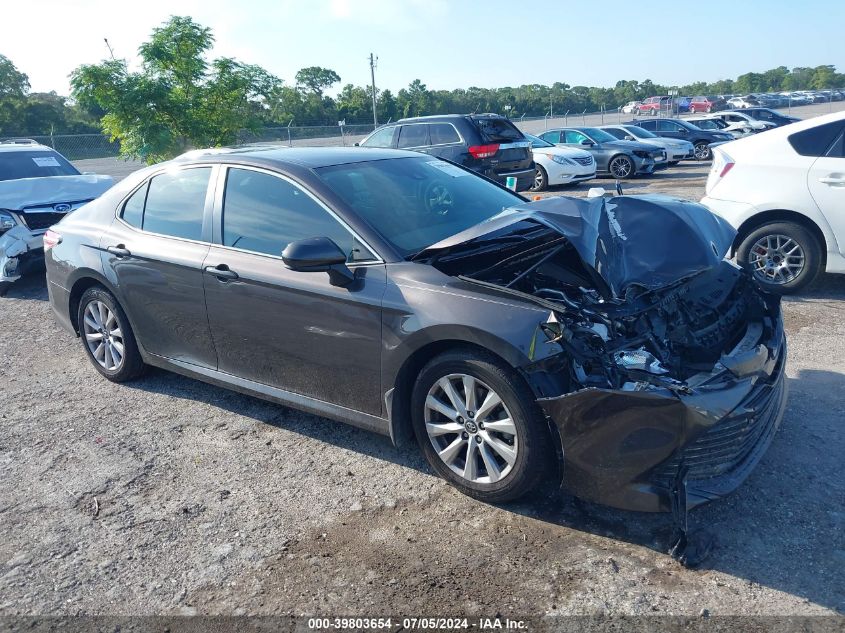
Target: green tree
<point>178,100</point>
<point>317,79</point>
<point>13,83</point>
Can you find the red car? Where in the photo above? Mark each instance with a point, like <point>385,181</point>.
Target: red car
<point>653,105</point>
<point>706,104</point>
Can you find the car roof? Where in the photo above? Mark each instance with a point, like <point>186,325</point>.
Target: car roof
<point>309,157</point>
<point>23,145</point>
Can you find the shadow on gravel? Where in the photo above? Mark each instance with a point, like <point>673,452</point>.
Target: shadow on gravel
<point>827,286</point>
<point>32,287</point>
<point>783,529</point>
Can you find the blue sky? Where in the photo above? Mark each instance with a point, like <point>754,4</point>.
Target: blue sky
<point>447,44</point>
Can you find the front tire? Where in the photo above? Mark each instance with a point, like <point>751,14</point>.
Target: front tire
<point>479,427</point>
<point>107,337</point>
<point>541,179</point>
<point>703,151</point>
<point>621,167</point>
<point>783,256</point>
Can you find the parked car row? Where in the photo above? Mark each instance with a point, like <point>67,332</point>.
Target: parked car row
<point>714,103</point>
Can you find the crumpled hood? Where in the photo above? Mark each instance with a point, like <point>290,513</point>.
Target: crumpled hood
<point>16,195</point>
<point>647,241</point>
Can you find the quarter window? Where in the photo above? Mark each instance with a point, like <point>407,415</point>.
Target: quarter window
<point>133,210</point>
<point>817,141</point>
<point>443,133</point>
<point>413,135</point>
<point>264,213</point>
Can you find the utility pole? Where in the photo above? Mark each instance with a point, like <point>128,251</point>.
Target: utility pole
<point>373,62</point>
<point>111,52</point>
<point>551,107</point>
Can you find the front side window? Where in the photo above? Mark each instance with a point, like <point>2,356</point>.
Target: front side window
<point>413,135</point>
<point>263,213</point>
<point>647,125</point>
<point>574,138</point>
<point>616,132</point>
<point>381,138</point>
<point>176,203</point>
<point>667,126</point>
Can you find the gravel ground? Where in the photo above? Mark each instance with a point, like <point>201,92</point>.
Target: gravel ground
<point>169,496</point>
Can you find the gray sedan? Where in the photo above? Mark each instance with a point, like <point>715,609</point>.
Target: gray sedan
<point>514,341</point>
<point>620,159</point>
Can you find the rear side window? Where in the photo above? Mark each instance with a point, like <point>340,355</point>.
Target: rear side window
<point>413,135</point>
<point>34,164</point>
<point>381,138</point>
<point>263,213</point>
<point>498,130</point>
<point>648,125</point>
<point>572,137</point>
<point>133,210</point>
<point>816,141</point>
<point>443,133</point>
<point>551,137</point>
<point>176,202</point>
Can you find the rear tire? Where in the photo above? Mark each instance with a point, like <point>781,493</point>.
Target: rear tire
<point>541,179</point>
<point>493,465</point>
<point>107,337</point>
<point>784,257</point>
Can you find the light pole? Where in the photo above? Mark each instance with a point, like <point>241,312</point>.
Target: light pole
<point>373,62</point>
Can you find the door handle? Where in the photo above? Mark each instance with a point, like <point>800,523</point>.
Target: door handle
<point>119,251</point>
<point>833,181</point>
<point>222,272</point>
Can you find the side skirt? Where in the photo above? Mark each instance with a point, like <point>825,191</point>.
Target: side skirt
<point>307,404</point>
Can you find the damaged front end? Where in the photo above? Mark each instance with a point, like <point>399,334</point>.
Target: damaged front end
<point>19,251</point>
<point>668,383</point>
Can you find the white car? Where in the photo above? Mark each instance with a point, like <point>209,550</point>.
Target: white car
<point>38,187</point>
<point>743,102</point>
<point>630,107</point>
<point>717,123</point>
<point>743,120</point>
<point>676,149</point>
<point>784,191</point>
<point>556,165</point>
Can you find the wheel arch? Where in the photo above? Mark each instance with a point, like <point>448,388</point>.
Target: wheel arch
<point>84,279</point>
<point>398,398</point>
<point>780,215</point>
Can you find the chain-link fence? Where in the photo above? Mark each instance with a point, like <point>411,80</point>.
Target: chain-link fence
<point>95,152</point>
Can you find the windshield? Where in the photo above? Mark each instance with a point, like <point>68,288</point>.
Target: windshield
<point>640,132</point>
<point>599,136</point>
<point>536,141</point>
<point>34,164</point>
<point>416,202</point>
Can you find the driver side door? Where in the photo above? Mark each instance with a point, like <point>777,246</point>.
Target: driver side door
<point>291,330</point>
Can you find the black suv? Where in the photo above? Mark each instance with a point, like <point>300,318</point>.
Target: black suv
<point>678,128</point>
<point>486,143</point>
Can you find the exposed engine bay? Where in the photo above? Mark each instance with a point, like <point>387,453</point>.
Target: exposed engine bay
<point>617,333</point>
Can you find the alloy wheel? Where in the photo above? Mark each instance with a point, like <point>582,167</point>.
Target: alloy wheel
<point>471,429</point>
<point>103,336</point>
<point>702,151</point>
<point>621,167</point>
<point>776,259</point>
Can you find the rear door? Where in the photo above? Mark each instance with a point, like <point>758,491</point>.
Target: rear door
<point>414,136</point>
<point>153,254</point>
<point>826,177</point>
<point>286,329</point>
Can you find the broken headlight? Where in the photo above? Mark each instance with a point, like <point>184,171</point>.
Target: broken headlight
<point>6,221</point>
<point>641,360</point>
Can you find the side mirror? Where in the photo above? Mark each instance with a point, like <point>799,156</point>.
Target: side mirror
<point>587,142</point>
<point>684,130</point>
<point>319,254</point>
<point>357,145</point>
<point>628,137</point>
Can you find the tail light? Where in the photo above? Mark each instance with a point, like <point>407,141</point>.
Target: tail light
<point>722,164</point>
<point>483,151</point>
<point>51,239</point>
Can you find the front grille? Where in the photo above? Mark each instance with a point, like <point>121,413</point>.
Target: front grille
<point>41,221</point>
<point>726,445</point>
<point>584,161</point>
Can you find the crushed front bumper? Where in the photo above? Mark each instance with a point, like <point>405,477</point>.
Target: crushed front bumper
<point>626,448</point>
<point>20,250</point>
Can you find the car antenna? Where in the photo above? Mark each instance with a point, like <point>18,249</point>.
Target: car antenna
<point>619,191</point>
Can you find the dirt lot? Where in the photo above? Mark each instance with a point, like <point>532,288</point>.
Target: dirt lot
<point>168,496</point>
